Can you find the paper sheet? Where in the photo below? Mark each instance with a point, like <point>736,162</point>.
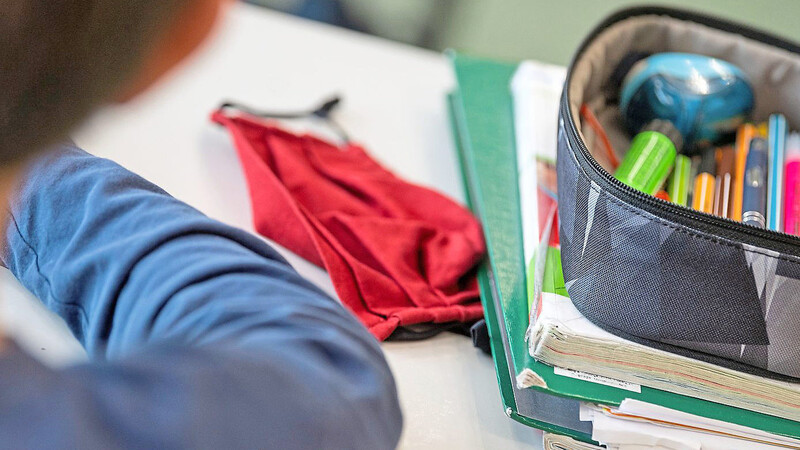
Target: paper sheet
<point>536,88</point>
<point>610,426</point>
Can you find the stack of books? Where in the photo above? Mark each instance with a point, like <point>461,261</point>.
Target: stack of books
<point>556,370</point>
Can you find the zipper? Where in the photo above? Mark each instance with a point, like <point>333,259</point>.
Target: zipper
<point>719,226</point>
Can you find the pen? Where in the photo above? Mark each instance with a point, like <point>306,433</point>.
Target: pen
<point>703,195</point>
<point>680,181</point>
<point>791,194</point>
<point>723,188</point>
<point>744,134</point>
<point>775,185</point>
<point>754,195</point>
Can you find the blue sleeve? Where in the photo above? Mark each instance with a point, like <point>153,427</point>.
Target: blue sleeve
<point>202,336</point>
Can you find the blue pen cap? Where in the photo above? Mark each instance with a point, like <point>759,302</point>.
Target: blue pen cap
<point>705,98</point>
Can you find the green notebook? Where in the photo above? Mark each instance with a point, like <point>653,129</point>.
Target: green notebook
<point>482,113</point>
<point>533,408</point>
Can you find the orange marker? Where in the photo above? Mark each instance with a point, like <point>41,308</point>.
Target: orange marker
<point>703,194</point>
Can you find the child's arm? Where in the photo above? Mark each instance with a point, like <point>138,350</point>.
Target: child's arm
<point>204,336</point>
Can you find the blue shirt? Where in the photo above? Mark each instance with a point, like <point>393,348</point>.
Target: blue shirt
<point>201,335</point>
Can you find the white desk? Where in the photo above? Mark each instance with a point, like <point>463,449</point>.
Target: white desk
<point>393,103</point>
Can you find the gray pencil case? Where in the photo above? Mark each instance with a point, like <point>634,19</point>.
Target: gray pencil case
<point>662,274</point>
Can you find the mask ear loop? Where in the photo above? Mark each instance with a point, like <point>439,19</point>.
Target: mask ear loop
<point>322,112</point>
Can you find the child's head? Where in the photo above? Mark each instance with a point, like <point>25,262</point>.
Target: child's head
<point>61,59</point>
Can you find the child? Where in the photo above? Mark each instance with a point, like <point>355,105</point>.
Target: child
<point>201,335</point>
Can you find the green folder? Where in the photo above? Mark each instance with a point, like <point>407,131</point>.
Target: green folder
<point>481,110</point>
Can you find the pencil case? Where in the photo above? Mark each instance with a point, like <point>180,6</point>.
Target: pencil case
<point>655,272</point>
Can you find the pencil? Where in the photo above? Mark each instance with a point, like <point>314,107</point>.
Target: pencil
<point>724,182</point>
<point>703,194</point>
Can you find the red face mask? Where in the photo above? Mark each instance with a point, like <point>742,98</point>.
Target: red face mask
<point>398,254</point>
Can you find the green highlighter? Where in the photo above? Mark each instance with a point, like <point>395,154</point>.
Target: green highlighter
<point>648,162</point>
<point>680,181</point>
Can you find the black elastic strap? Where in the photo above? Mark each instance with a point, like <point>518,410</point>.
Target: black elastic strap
<point>322,112</point>
<point>420,331</point>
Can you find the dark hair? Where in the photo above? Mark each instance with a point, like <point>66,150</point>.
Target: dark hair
<point>61,59</point>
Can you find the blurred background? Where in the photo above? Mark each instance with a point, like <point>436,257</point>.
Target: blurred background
<point>515,29</point>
